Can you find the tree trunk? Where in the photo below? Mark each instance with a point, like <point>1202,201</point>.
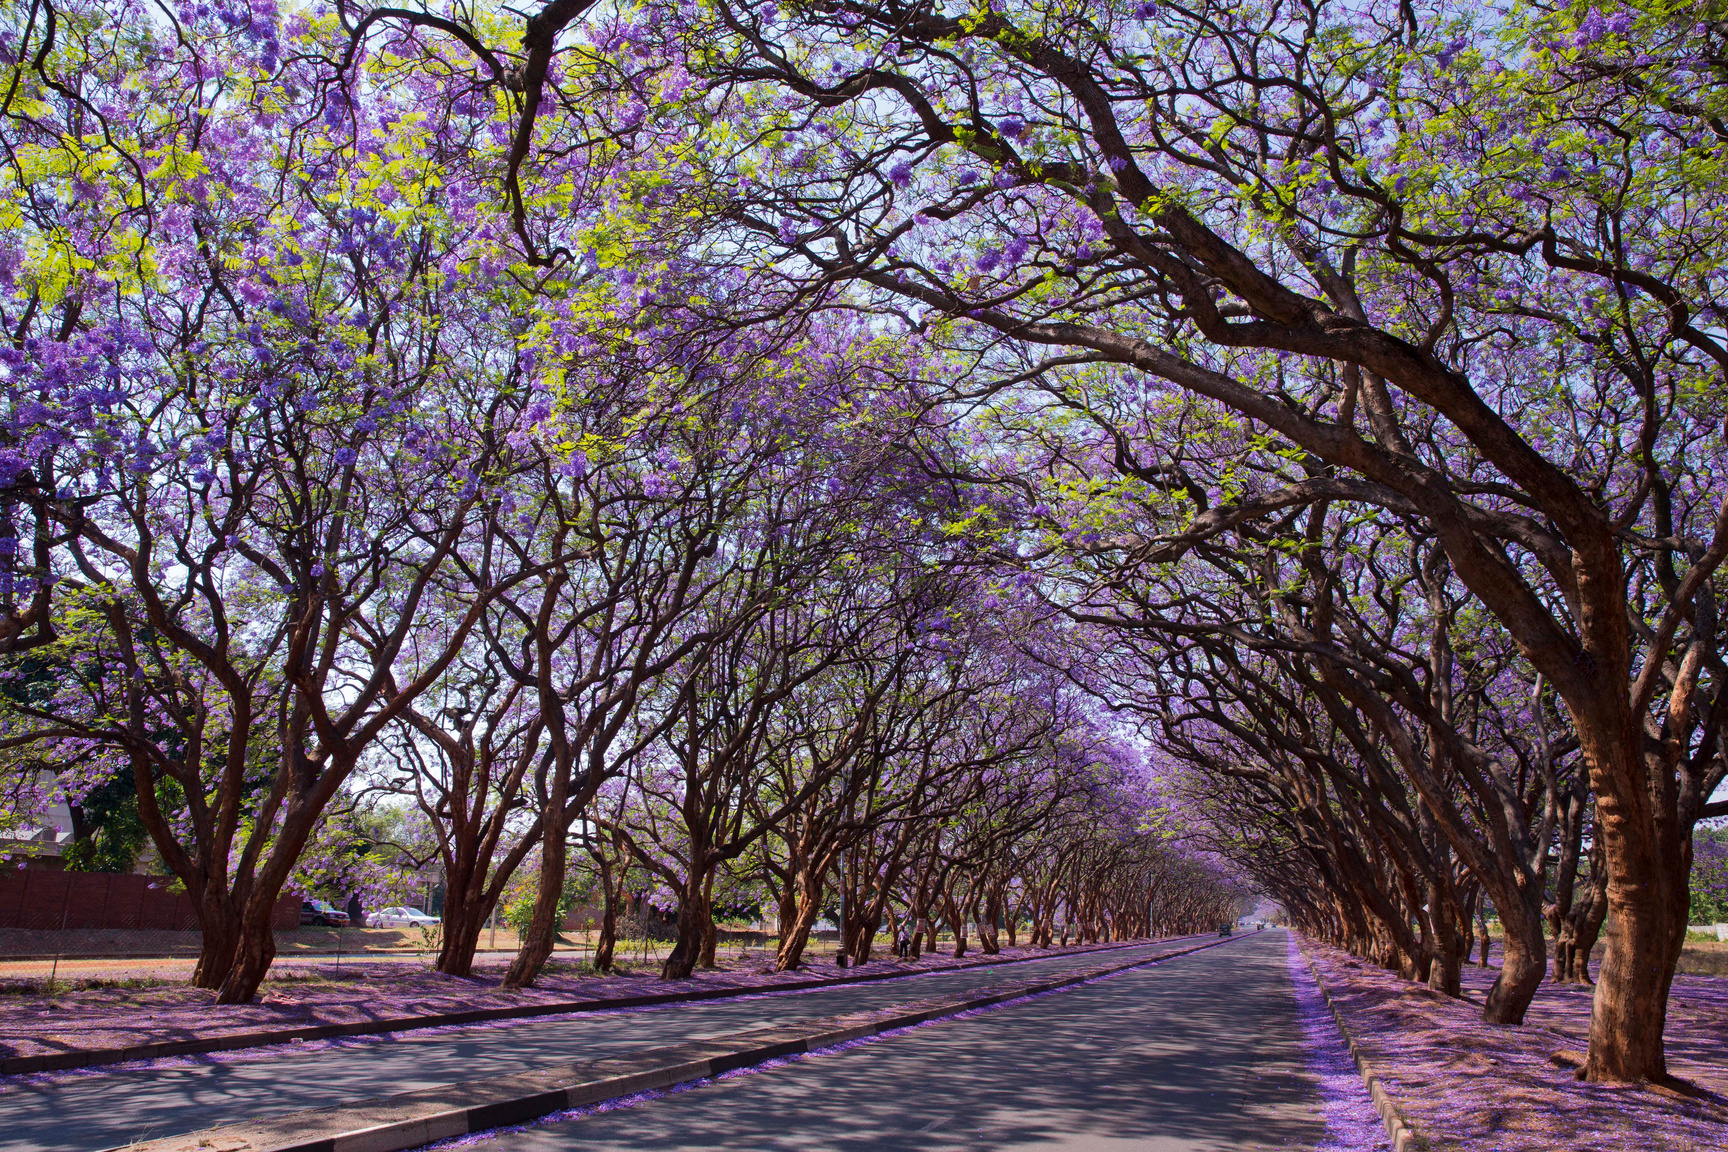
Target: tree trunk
<point>254,950</point>
<point>920,919</point>
<point>1449,951</point>
<point>710,930</point>
<point>1586,921</point>
<point>221,938</point>
<point>1630,1011</point>
<point>787,911</point>
<point>1587,933</point>
<point>692,928</point>
<point>536,945</point>
<point>463,921</point>
<point>1569,834</point>
<point>795,931</point>
<point>987,922</point>
<point>710,941</point>
<point>1446,975</point>
<point>1524,963</point>
<point>957,921</point>
<point>1649,863</point>
<point>607,944</point>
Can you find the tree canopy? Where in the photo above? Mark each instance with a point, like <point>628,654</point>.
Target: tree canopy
<point>1018,464</point>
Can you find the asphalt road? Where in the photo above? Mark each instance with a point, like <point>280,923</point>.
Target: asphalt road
<point>1198,1053</point>
<point>75,1112</point>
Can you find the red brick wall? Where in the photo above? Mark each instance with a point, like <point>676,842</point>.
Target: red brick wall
<point>46,898</point>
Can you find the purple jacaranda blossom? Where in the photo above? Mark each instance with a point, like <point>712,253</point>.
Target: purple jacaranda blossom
<point>1591,29</point>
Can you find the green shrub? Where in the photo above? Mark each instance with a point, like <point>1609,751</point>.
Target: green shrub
<point>519,906</point>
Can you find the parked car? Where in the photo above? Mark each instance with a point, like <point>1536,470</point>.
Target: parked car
<point>400,918</point>
<point>322,914</point>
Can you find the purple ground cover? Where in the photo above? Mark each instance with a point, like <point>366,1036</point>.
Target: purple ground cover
<point>1352,1124</point>
<point>1463,1084</point>
<point>119,1017</point>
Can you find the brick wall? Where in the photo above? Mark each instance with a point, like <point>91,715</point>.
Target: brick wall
<point>42,898</point>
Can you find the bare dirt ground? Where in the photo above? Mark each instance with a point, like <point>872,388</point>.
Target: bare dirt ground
<point>1468,1085</point>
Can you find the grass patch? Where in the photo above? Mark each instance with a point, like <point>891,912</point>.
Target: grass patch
<point>58,985</point>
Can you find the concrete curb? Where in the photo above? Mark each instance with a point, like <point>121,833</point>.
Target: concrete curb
<point>410,1120</point>
<point>1398,1130</point>
<point>94,1057</point>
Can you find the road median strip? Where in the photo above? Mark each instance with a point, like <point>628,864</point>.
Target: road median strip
<point>413,1119</point>
<point>264,1038</point>
<point>1398,1130</point>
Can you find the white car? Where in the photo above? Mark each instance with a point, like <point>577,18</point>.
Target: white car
<point>399,918</point>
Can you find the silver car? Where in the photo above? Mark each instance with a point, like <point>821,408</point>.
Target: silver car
<point>399,917</point>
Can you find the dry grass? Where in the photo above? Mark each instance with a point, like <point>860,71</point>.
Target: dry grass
<point>1700,956</point>
<point>1704,958</point>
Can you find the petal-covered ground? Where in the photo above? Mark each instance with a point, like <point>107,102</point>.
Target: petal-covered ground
<point>1472,1086</point>
<point>1352,1123</point>
<point>143,1012</point>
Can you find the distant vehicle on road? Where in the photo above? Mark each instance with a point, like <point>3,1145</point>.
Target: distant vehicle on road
<point>400,917</point>
<point>322,914</point>
<point>1224,930</point>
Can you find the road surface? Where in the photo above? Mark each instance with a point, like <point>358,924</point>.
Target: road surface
<point>1198,1054</point>
<point>75,1112</point>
